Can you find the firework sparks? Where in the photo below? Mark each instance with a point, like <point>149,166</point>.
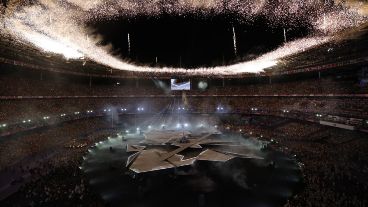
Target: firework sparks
<point>234,40</point>
<point>58,27</point>
<point>128,44</point>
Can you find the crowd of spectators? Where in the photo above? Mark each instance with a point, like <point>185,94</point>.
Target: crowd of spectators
<point>18,85</point>
<point>334,161</point>
<point>46,167</point>
<point>16,148</point>
<point>26,113</point>
<point>55,181</point>
<point>335,108</point>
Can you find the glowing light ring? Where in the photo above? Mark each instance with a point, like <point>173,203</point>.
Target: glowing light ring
<point>56,26</point>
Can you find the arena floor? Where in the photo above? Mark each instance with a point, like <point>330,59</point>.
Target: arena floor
<point>238,182</point>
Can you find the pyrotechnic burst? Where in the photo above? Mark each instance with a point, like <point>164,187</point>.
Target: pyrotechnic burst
<point>58,26</point>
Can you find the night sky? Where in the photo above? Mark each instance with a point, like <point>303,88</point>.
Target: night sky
<point>193,39</point>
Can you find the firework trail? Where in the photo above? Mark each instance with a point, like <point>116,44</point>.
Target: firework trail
<point>234,40</point>
<point>128,44</point>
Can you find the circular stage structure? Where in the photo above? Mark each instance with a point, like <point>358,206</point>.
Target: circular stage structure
<point>203,169</point>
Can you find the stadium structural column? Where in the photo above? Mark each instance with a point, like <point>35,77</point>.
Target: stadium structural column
<point>319,74</point>
<point>223,82</point>
<point>41,76</point>
<point>90,81</point>
<point>270,79</point>
<point>137,83</point>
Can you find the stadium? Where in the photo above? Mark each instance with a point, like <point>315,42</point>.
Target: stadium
<point>183,103</point>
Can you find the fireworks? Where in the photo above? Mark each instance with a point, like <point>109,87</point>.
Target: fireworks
<point>128,44</point>
<point>49,45</point>
<point>58,26</point>
<point>285,40</point>
<point>234,40</point>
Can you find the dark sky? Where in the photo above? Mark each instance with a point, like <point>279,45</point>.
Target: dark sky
<point>197,40</point>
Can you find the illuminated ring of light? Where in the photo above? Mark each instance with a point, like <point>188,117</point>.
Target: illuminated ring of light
<point>57,29</point>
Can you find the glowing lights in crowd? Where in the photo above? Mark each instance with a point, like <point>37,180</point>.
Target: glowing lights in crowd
<point>179,125</point>
<point>66,34</point>
<point>220,108</point>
